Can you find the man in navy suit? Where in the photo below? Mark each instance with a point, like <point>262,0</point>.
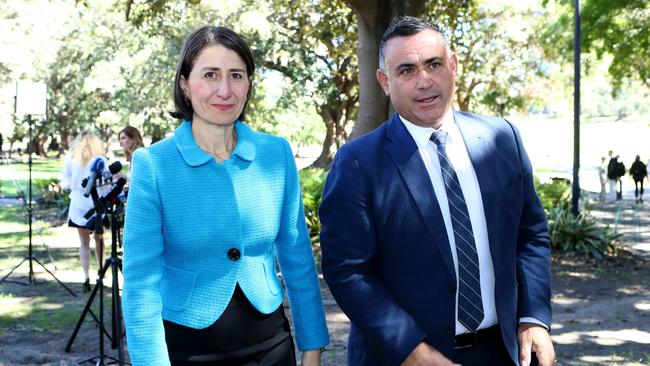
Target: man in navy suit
<point>393,253</point>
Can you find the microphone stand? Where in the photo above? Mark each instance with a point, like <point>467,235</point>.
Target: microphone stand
<point>115,264</point>
<point>30,257</point>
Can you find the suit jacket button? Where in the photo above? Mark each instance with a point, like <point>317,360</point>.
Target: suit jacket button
<point>234,254</point>
<point>450,329</point>
<point>451,287</point>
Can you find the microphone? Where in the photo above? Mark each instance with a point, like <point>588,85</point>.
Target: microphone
<point>111,197</point>
<point>113,169</point>
<point>99,169</point>
<point>96,169</point>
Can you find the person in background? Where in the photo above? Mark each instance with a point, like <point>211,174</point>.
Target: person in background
<point>434,242</point>
<point>130,140</point>
<point>210,210</point>
<point>83,150</point>
<point>602,176</point>
<point>611,175</point>
<point>638,171</point>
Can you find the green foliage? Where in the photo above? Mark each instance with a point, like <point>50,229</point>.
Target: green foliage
<point>616,28</point>
<point>312,181</point>
<point>580,234</point>
<point>554,194</point>
<point>51,195</point>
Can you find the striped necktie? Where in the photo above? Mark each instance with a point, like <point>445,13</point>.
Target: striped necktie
<point>470,305</point>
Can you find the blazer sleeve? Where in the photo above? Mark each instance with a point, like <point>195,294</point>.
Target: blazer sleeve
<point>533,249</point>
<point>143,266</point>
<point>294,253</point>
<point>349,246</point>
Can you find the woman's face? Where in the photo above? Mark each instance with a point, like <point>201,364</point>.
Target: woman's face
<point>217,86</point>
<point>126,143</point>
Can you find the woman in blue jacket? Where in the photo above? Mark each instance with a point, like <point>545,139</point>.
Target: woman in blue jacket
<point>210,210</point>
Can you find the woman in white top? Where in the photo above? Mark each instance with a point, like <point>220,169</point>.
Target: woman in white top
<point>85,147</point>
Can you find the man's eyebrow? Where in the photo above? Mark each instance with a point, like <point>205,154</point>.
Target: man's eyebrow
<point>404,65</point>
<point>428,61</point>
<point>432,60</point>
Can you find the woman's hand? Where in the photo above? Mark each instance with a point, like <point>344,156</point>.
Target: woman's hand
<point>311,358</point>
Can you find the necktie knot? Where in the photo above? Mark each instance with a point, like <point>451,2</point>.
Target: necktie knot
<point>439,137</point>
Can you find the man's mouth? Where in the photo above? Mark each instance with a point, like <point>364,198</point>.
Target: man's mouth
<point>428,99</point>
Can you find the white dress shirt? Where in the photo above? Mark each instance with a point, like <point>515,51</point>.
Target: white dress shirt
<point>457,153</point>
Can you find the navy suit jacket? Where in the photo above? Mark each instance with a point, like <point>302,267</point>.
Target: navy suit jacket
<point>386,254</point>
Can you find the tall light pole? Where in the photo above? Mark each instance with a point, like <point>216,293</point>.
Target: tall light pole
<point>575,192</point>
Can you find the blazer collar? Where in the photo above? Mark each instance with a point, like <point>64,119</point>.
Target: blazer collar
<point>194,156</point>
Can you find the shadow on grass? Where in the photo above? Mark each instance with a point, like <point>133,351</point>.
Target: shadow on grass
<point>45,306</point>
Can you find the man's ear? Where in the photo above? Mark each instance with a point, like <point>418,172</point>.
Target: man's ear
<point>382,78</point>
<point>453,63</point>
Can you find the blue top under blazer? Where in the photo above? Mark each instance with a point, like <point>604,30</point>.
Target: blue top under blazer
<point>186,211</point>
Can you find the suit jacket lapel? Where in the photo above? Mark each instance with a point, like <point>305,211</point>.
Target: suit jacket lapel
<point>478,140</point>
<point>404,153</point>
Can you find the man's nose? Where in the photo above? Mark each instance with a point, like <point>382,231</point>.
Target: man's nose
<point>425,79</point>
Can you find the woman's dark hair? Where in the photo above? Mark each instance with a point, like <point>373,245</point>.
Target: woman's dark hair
<point>199,39</point>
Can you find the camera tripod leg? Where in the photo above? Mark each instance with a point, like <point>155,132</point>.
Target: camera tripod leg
<point>87,306</point>
<point>12,271</point>
<point>53,276</point>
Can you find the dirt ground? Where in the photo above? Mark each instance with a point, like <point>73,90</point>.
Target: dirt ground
<point>601,309</point>
<point>601,313</point>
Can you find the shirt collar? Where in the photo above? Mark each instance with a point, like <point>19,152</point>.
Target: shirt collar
<point>195,156</point>
<point>421,135</point>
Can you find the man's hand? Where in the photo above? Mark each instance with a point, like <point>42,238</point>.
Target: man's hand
<point>425,355</point>
<point>535,338</point>
<point>311,358</point>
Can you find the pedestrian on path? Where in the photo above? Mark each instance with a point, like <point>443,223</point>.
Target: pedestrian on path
<point>638,171</point>
<point>602,176</point>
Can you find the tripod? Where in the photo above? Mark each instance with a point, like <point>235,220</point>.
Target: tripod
<point>30,257</point>
<point>115,265</point>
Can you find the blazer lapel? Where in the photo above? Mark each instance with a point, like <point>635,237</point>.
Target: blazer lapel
<point>404,153</point>
<point>478,140</point>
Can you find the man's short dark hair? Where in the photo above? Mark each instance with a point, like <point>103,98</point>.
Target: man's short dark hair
<point>197,41</point>
<point>404,26</point>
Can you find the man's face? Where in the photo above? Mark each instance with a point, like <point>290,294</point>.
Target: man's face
<point>420,77</point>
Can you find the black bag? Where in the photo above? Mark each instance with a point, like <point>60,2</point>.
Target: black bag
<point>620,169</point>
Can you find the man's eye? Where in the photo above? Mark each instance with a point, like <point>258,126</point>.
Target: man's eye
<point>237,75</point>
<point>406,71</point>
<point>435,65</point>
<point>210,74</point>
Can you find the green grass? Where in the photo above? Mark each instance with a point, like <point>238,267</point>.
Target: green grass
<point>17,172</point>
<point>45,306</point>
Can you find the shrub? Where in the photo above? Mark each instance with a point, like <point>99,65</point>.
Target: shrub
<point>554,194</point>
<point>312,181</point>
<point>580,234</point>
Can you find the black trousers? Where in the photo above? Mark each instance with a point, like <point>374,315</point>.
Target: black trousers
<point>638,183</point>
<point>488,351</point>
<point>242,336</point>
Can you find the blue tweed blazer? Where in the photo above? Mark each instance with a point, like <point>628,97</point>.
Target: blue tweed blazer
<point>186,212</point>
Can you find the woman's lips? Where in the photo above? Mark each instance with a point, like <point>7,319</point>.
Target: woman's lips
<point>223,107</point>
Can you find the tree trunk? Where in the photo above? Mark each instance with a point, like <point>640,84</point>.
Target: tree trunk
<point>324,160</point>
<point>373,18</point>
